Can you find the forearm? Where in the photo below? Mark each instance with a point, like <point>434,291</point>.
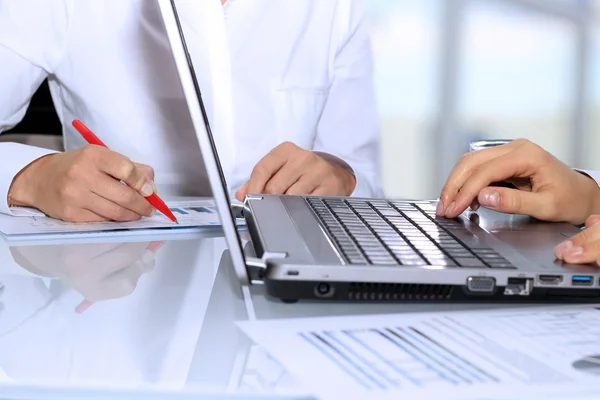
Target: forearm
<point>15,158</point>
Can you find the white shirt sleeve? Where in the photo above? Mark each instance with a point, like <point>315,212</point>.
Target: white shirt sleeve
<point>348,126</point>
<point>595,175</point>
<point>33,36</point>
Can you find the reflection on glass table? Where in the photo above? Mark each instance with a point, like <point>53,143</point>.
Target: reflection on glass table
<point>98,271</point>
<point>150,300</point>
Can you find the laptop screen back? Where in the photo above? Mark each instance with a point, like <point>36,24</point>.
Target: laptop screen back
<point>201,124</point>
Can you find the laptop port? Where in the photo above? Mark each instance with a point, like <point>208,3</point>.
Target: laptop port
<point>582,280</point>
<point>550,279</point>
<point>518,287</point>
<point>323,289</point>
<point>481,284</point>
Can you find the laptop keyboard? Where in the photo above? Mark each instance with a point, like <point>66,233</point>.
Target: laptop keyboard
<point>381,232</point>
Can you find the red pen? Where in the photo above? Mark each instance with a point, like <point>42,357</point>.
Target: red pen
<point>93,139</point>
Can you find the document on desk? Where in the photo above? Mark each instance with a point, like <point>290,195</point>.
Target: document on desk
<point>189,213</point>
<point>491,354</point>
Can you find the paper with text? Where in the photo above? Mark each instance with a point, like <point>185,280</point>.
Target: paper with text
<point>474,355</point>
<point>191,213</point>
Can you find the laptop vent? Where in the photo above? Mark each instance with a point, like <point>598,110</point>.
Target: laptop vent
<point>365,291</point>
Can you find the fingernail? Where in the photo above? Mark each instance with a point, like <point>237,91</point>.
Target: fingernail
<point>154,187</point>
<point>562,249</point>
<point>152,212</point>
<point>450,208</point>
<point>575,252</point>
<point>439,211</point>
<point>147,190</point>
<point>490,198</point>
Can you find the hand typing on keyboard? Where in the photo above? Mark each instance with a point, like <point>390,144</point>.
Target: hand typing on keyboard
<point>583,248</point>
<point>400,233</point>
<point>547,189</point>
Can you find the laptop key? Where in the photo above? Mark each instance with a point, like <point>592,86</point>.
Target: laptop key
<point>442,262</point>
<point>503,266</point>
<point>414,262</point>
<point>463,253</point>
<point>492,257</point>
<point>470,262</point>
<point>384,261</point>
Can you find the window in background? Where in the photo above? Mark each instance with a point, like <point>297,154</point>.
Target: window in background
<point>517,76</point>
<point>405,37</point>
<point>592,152</point>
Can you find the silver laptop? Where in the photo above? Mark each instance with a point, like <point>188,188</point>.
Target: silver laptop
<point>353,249</point>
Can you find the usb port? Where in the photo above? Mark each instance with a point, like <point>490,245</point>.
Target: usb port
<point>582,280</point>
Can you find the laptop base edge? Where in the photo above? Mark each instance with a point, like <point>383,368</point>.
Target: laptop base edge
<point>293,291</point>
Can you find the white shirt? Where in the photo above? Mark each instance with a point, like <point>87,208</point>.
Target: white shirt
<point>270,71</point>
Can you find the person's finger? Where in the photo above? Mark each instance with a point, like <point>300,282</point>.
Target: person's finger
<point>324,190</point>
<point>242,192</point>
<point>582,248</point>
<point>123,169</point>
<point>464,168</point>
<point>513,201</point>
<point>591,221</point>
<point>301,166</point>
<point>77,214</point>
<point>495,170</point>
<point>307,184</point>
<point>147,170</point>
<point>121,195</point>
<point>109,209</point>
<point>265,169</point>
<point>585,254</point>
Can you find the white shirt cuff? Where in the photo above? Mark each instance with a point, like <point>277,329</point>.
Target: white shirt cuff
<point>595,175</point>
<point>15,157</point>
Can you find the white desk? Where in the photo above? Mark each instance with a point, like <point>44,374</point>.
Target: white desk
<point>162,326</point>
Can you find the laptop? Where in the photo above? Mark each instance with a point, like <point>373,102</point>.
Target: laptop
<point>358,249</point>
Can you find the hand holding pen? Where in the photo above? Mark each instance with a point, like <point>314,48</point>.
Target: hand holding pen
<point>150,196</point>
<point>85,185</point>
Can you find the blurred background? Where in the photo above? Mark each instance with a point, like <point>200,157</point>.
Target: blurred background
<point>451,71</point>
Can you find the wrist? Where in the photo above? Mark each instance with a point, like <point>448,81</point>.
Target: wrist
<point>593,196</point>
<point>343,170</point>
<point>22,189</point>
<point>595,204</point>
<point>347,178</point>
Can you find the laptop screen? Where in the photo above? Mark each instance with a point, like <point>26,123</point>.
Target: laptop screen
<point>197,109</point>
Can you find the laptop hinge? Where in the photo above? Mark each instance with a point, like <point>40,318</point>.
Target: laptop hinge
<point>257,267</point>
<point>238,211</point>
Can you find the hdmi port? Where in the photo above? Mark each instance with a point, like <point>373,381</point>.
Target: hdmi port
<point>550,279</point>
